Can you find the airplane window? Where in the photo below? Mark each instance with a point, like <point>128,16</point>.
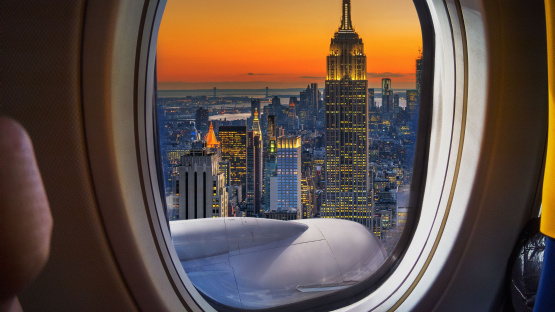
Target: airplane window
<point>287,158</point>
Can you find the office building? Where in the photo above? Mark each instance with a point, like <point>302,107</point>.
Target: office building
<point>271,126</point>
<point>291,115</point>
<point>307,197</point>
<point>288,174</point>
<point>310,105</point>
<point>274,108</point>
<point>224,169</point>
<point>419,75</point>
<point>387,97</point>
<point>346,126</point>
<point>202,192</point>
<point>269,160</point>
<point>233,140</point>
<point>412,104</point>
<point>256,123</point>
<point>371,100</point>
<point>255,148</point>
<point>254,181</point>
<point>269,168</point>
<point>201,118</point>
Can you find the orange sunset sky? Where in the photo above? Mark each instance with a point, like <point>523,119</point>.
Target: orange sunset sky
<point>279,43</point>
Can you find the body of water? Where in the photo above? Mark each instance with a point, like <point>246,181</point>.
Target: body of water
<point>284,95</point>
<point>230,117</point>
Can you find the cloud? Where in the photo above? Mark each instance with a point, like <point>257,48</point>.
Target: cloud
<point>311,77</point>
<point>258,74</point>
<point>390,75</point>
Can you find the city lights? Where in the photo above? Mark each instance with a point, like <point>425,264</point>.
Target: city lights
<point>343,151</point>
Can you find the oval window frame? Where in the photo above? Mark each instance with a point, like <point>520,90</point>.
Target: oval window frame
<point>126,182</point>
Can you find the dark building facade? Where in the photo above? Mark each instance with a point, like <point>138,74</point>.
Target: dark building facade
<point>201,118</point>
<point>371,102</point>
<point>271,125</point>
<point>310,106</point>
<point>418,75</point>
<point>412,103</point>
<point>254,174</point>
<point>396,102</point>
<point>269,169</point>
<point>387,96</point>
<point>291,116</point>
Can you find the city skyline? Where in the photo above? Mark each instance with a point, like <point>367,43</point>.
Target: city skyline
<point>351,159</point>
<point>254,49</point>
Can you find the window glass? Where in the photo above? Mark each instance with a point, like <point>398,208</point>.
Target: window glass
<point>287,131</point>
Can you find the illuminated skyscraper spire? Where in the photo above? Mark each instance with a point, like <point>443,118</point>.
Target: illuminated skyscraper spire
<point>291,115</point>
<point>210,138</point>
<point>256,123</point>
<point>347,58</point>
<point>346,23</point>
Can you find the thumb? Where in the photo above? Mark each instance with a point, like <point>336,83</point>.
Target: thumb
<point>25,219</point>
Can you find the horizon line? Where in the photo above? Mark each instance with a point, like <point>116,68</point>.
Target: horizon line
<point>264,89</point>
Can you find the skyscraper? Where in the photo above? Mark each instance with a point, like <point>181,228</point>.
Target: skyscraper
<point>223,168</point>
<point>374,118</point>
<point>346,98</point>
<point>371,102</point>
<point>412,103</point>
<point>309,105</point>
<point>275,106</point>
<point>269,159</point>
<point>316,98</point>
<point>271,126</point>
<point>256,148</point>
<point>256,123</point>
<point>201,118</point>
<point>291,116</point>
<point>201,188</point>
<point>418,75</point>
<point>233,140</point>
<point>210,138</point>
<point>396,102</point>
<point>269,169</point>
<point>254,174</point>
<point>387,96</point>
<point>288,174</point>
<point>255,109</point>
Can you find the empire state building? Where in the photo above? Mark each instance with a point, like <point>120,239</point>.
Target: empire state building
<point>346,99</point>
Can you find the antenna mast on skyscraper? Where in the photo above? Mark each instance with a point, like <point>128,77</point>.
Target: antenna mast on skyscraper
<point>346,23</point>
